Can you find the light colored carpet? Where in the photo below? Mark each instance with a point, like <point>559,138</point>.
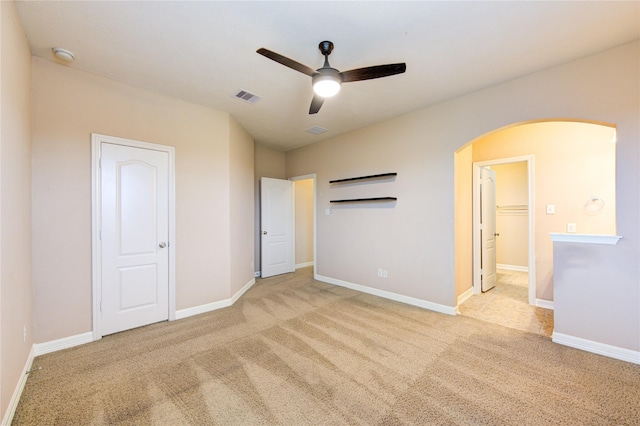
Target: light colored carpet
<point>507,304</point>
<point>296,351</point>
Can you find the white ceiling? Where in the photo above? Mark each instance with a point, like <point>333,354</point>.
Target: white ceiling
<point>204,51</point>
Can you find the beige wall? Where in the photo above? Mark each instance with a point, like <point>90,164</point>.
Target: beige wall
<point>512,216</point>
<point>268,163</point>
<point>15,204</point>
<point>68,105</point>
<point>573,162</point>
<point>241,205</point>
<point>414,239</point>
<point>303,190</point>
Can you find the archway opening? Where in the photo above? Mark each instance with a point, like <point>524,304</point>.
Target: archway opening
<point>572,185</point>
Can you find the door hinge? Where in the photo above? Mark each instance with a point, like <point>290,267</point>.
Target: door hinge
<point>100,305</point>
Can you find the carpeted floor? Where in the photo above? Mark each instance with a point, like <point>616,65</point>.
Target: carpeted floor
<point>295,351</point>
<point>507,304</point>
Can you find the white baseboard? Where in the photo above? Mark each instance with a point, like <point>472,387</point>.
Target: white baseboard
<point>513,267</point>
<point>304,265</point>
<point>464,296</point>
<point>443,309</point>
<point>201,309</point>
<point>64,343</point>
<point>622,354</point>
<point>542,303</point>
<point>242,291</point>
<point>17,393</point>
<point>208,307</point>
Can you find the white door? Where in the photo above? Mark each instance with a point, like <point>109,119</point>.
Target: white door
<point>134,237</point>
<point>488,229</point>
<point>277,233</point>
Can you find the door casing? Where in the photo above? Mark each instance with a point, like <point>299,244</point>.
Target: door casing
<point>96,246</point>
<point>477,279</point>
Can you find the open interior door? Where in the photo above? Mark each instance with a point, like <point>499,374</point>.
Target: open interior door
<point>277,227</point>
<point>488,228</point>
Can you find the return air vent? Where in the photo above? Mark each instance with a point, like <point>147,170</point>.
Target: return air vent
<point>243,95</point>
<point>316,130</point>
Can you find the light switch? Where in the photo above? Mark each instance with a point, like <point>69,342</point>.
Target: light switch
<point>551,209</point>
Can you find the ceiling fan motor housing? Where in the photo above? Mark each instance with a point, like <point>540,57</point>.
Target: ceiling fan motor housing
<point>326,47</point>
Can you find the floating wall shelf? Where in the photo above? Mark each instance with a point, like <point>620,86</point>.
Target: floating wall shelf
<point>358,200</point>
<point>383,175</point>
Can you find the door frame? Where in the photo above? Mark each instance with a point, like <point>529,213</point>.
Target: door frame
<point>96,220</point>
<point>315,233</point>
<point>477,279</point>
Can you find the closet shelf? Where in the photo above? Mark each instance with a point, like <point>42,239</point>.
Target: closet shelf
<point>382,175</point>
<point>359,200</point>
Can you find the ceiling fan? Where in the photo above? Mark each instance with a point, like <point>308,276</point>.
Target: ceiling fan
<point>326,81</point>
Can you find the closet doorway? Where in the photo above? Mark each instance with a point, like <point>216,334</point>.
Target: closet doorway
<point>512,219</point>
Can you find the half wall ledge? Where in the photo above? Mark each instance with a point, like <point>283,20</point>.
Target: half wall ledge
<point>611,240</point>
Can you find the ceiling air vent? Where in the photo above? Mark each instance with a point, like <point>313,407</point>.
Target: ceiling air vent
<point>316,130</point>
<point>243,95</point>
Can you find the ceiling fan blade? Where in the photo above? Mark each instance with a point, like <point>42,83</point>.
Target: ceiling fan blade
<point>286,61</point>
<point>369,73</point>
<point>316,103</point>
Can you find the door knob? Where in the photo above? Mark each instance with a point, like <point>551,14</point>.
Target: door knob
<point>497,235</point>
<point>162,244</point>
<point>264,232</point>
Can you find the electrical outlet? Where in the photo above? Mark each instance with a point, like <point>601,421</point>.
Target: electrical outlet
<point>571,227</point>
<point>327,212</point>
<point>383,273</point>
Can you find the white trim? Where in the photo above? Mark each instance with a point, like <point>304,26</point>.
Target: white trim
<point>557,237</point>
<point>242,291</point>
<point>449,310</point>
<point>546,304</point>
<point>208,307</point>
<point>531,261</point>
<point>304,265</point>
<point>464,296</point>
<point>616,352</point>
<point>17,392</point>
<point>517,268</point>
<point>64,343</point>
<point>96,247</point>
<point>201,309</point>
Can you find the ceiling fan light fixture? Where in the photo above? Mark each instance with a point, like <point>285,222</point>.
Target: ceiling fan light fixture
<point>326,85</point>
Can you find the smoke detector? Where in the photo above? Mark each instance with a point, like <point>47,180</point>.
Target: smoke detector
<point>63,54</point>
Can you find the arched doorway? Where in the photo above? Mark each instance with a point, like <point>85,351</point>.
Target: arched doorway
<point>571,172</point>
